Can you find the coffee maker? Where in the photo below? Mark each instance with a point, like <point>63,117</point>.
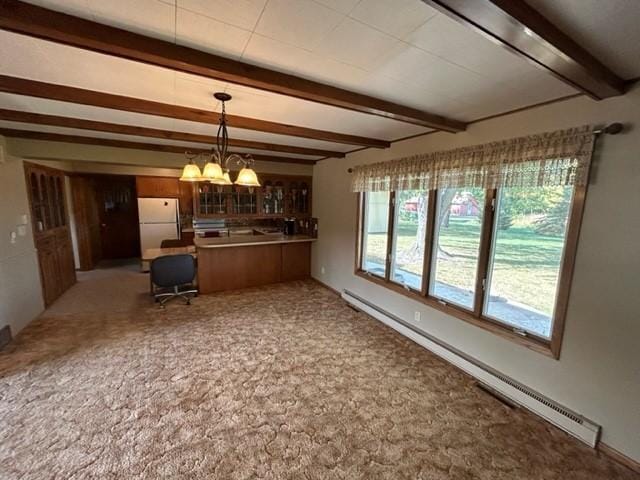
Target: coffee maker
<point>289,226</point>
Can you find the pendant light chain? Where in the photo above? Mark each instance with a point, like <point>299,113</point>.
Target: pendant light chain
<point>216,167</point>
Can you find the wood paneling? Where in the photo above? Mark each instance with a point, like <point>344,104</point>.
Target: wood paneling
<point>521,29</point>
<point>33,88</point>
<point>83,124</point>
<point>39,22</point>
<point>296,261</point>
<point>232,268</point>
<point>185,197</point>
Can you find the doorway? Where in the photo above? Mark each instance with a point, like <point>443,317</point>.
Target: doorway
<point>118,213</point>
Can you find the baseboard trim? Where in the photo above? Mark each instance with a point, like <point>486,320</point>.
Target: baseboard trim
<point>619,457</point>
<point>5,336</point>
<point>324,285</point>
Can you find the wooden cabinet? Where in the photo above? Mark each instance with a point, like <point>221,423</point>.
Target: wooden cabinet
<point>167,187</point>
<point>231,267</point>
<point>51,230</point>
<point>296,261</point>
<point>158,187</point>
<point>279,196</point>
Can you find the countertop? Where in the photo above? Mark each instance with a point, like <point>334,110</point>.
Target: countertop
<point>249,240</point>
<point>151,253</point>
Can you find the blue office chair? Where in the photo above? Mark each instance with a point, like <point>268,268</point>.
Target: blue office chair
<point>172,276</point>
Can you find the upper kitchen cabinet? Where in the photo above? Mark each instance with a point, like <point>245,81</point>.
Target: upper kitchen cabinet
<point>167,187</point>
<point>278,196</point>
<point>157,187</point>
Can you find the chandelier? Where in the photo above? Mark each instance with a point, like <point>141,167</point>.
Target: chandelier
<point>216,162</point>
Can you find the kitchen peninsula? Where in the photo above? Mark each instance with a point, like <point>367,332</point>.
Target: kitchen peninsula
<point>228,263</point>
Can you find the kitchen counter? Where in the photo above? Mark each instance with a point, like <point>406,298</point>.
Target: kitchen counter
<point>250,240</point>
<point>241,261</point>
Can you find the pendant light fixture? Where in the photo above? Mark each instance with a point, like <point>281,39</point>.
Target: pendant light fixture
<point>216,168</point>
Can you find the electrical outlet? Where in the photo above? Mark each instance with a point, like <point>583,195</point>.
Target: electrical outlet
<point>322,270</point>
<point>416,316</point>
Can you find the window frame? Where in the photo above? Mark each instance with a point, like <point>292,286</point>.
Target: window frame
<point>549,346</point>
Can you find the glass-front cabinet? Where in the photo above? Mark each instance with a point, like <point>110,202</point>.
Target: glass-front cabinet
<point>278,196</point>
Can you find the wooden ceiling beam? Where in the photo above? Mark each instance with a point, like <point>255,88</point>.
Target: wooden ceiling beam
<point>521,29</point>
<point>108,142</point>
<point>51,91</point>
<point>63,93</point>
<point>28,19</point>
<point>83,124</point>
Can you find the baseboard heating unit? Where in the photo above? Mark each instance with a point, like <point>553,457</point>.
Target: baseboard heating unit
<point>569,421</point>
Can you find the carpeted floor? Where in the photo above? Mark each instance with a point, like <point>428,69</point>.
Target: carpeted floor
<point>283,382</point>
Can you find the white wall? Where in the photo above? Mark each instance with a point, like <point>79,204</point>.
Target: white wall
<point>20,293</point>
<point>598,373</point>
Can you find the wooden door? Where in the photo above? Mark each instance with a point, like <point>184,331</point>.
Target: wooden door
<point>50,230</point>
<point>118,212</point>
<point>87,221</point>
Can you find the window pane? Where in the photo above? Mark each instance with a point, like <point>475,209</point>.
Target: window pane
<point>530,230</point>
<point>376,224</point>
<point>456,245</point>
<point>410,224</point>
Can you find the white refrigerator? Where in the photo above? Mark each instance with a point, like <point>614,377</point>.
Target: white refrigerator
<point>159,220</point>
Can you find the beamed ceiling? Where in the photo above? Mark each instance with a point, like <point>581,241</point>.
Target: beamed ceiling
<point>310,79</point>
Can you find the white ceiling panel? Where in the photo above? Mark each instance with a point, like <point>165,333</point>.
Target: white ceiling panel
<point>303,23</point>
<point>459,45</point>
<point>210,35</point>
<point>79,8</point>
<point>281,56</point>
<point>397,18</point>
<point>342,6</point>
<point>356,44</point>
<point>609,29</point>
<point>29,57</point>
<point>241,13</point>
<point>148,17</point>
<point>134,138</point>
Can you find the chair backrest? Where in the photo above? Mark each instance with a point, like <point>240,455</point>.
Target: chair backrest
<point>173,243</point>
<point>173,270</point>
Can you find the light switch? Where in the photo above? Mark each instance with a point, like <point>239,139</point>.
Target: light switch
<point>13,237</point>
<point>22,230</point>
<point>24,219</point>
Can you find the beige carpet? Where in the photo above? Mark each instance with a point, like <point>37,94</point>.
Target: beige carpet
<point>283,382</point>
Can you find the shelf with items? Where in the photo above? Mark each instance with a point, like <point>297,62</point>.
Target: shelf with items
<point>273,197</point>
<point>278,196</point>
<point>244,200</point>
<point>212,200</point>
<point>300,198</point>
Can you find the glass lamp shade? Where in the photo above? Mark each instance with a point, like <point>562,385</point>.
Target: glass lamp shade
<point>247,178</point>
<point>191,173</point>
<point>225,180</point>
<point>212,171</point>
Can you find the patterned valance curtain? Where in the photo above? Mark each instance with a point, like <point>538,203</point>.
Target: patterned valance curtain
<point>548,159</point>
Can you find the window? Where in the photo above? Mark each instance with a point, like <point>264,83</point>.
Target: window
<point>496,258</point>
<point>529,235</point>
<point>375,238</point>
<point>456,245</point>
<point>408,240</point>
